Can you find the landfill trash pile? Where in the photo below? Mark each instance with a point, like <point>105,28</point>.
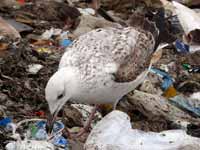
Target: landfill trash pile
<point>33,37</point>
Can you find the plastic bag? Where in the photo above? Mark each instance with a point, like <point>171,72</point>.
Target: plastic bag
<point>114,132</point>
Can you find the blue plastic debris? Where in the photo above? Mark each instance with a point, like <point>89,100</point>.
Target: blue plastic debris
<point>4,122</point>
<point>167,79</point>
<point>39,133</point>
<point>185,104</point>
<point>60,141</point>
<point>182,47</point>
<point>41,124</point>
<point>65,42</point>
<point>57,126</point>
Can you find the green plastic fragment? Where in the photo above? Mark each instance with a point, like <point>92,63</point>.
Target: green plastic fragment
<point>186,66</point>
<point>33,130</point>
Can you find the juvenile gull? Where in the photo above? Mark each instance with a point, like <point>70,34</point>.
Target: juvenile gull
<point>103,65</point>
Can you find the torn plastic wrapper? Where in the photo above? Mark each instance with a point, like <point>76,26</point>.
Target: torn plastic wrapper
<point>7,124</point>
<point>186,104</point>
<point>5,121</point>
<point>182,47</point>
<point>167,79</point>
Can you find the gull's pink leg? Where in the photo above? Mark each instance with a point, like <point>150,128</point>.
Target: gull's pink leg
<point>88,123</point>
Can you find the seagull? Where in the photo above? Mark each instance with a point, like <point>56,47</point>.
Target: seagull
<point>103,65</point>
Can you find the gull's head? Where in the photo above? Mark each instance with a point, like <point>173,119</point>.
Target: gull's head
<point>58,89</point>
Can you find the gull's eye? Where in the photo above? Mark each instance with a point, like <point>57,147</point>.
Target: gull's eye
<point>60,96</point>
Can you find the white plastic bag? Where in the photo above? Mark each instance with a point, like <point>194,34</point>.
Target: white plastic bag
<point>114,132</point>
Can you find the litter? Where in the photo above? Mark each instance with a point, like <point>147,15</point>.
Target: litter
<point>41,42</point>
<point>30,145</point>
<point>34,68</point>
<point>4,122</point>
<point>170,92</point>
<point>181,47</point>
<point>43,50</point>
<point>7,124</point>
<point>195,96</point>
<point>40,113</point>
<point>191,68</point>
<point>38,132</point>
<point>21,2</point>
<point>167,79</point>
<point>65,43</point>
<point>88,23</point>
<point>20,27</point>
<point>194,70</point>
<point>36,137</point>
<point>188,18</point>
<point>154,106</point>
<point>49,33</point>
<point>189,2</point>
<point>8,30</point>
<point>87,11</point>
<point>3,46</point>
<point>45,28</point>
<point>114,132</point>
<point>186,104</point>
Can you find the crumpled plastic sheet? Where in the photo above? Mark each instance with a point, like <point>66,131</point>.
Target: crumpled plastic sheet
<point>114,132</point>
<point>181,47</point>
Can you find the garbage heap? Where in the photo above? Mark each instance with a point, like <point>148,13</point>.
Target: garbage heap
<point>33,37</point>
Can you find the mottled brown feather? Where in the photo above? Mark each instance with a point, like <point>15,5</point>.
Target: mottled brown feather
<point>140,56</point>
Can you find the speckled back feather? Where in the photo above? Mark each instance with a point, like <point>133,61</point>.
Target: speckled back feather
<point>128,48</point>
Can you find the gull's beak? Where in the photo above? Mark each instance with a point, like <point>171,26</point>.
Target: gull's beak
<point>54,110</point>
<point>50,122</point>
